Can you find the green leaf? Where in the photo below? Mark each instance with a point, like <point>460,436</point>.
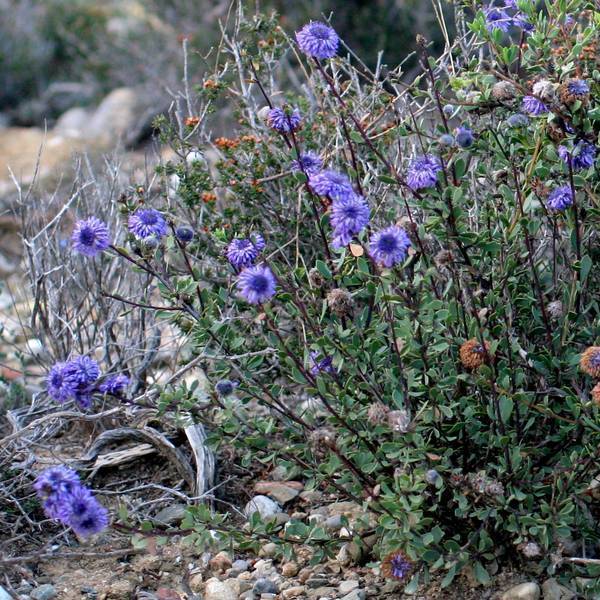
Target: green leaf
<point>506,408</point>
<point>481,574</point>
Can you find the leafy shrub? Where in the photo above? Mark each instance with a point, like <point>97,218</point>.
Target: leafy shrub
<point>435,366</point>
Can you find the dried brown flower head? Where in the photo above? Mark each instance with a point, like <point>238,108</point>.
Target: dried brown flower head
<point>530,549</point>
<point>590,361</point>
<point>503,91</point>
<point>555,132</point>
<point>340,302</point>
<point>315,278</point>
<point>399,420</point>
<point>377,413</point>
<point>473,354</point>
<point>555,309</point>
<point>443,258</point>
<point>596,394</point>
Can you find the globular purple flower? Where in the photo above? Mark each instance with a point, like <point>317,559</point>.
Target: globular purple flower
<point>331,183</point>
<point>496,18</point>
<point>83,513</point>
<point>114,385</point>
<point>225,387</point>
<point>534,107</point>
<point>56,480</point>
<point>446,140</point>
<point>578,87</point>
<point>184,234</point>
<point>90,237</point>
<point>389,246</point>
<point>348,217</point>
<point>60,385</point>
<point>560,198</point>
<point>283,120</point>
<point>309,163</point>
<point>318,40</point>
<point>422,172</point>
<point>396,566</point>
<point>83,370</point>
<point>243,252</point>
<point>147,223</point>
<point>518,120</point>
<point>323,365</point>
<point>257,284</point>
<point>464,137</point>
<point>582,156</point>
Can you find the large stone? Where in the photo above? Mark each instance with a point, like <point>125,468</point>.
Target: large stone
<point>523,591</point>
<point>282,492</point>
<point>218,590</point>
<point>170,515</point>
<point>44,592</point>
<point>552,590</point>
<point>263,505</point>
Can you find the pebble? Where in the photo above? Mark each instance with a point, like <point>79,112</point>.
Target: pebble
<point>217,590</point>
<point>265,586</point>
<point>170,515</point>
<point>293,592</point>
<point>290,569</point>
<point>321,592</point>
<point>220,562</point>
<point>4,595</point>
<point>282,492</point>
<point>239,566</point>
<point>355,595</point>
<point>523,591</point>
<point>197,582</point>
<point>334,523</point>
<point>269,550</point>
<point>348,586</point>
<point>44,592</point>
<point>317,581</point>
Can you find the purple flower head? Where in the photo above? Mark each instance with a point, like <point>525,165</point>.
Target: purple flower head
<point>331,183</point>
<point>83,513</point>
<point>400,566</point>
<point>422,172</point>
<point>114,385</point>
<point>496,18</point>
<point>464,137</point>
<point>349,216</point>
<point>60,385</point>
<point>243,253</point>
<point>389,246</point>
<point>56,480</point>
<point>83,370</point>
<point>283,121</point>
<point>582,156</point>
<point>309,162</point>
<point>90,237</point>
<point>560,198</point>
<point>147,223</point>
<point>256,284</point>
<point>518,120</point>
<point>578,87</point>
<point>318,40</point>
<point>225,387</point>
<point>324,365</point>
<point>534,107</point>
<point>184,234</point>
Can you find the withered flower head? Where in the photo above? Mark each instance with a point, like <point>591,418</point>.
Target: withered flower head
<point>399,420</point>
<point>555,132</point>
<point>443,258</point>
<point>555,309</point>
<point>596,394</point>
<point>590,361</point>
<point>573,90</point>
<point>503,91</point>
<point>530,549</point>
<point>396,565</point>
<point>377,413</point>
<point>340,302</point>
<point>315,278</point>
<point>473,354</point>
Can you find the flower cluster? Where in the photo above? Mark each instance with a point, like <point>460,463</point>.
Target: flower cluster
<point>318,40</point>
<point>284,120</point>
<point>505,16</point>
<point>65,499</point>
<point>257,284</point>
<point>78,380</point>
<point>389,246</point>
<point>560,198</point>
<point>147,223</point>
<point>582,155</point>
<point>422,172</point>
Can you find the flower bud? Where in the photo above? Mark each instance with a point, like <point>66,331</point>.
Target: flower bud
<point>446,140</point>
<point>184,234</point>
<point>432,476</point>
<point>464,137</point>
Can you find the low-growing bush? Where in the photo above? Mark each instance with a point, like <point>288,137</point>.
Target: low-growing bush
<point>391,288</point>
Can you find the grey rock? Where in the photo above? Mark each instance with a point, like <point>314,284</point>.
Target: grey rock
<point>265,586</point>
<point>263,505</point>
<point>317,581</point>
<point>240,566</point>
<point>334,523</point>
<point>282,492</point>
<point>355,595</point>
<point>552,590</point>
<point>347,586</point>
<point>72,122</point>
<point>217,590</point>
<point>523,591</point>
<point>170,515</point>
<point>268,596</point>
<point>4,595</point>
<point>269,550</point>
<point>44,592</point>
<point>117,116</point>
